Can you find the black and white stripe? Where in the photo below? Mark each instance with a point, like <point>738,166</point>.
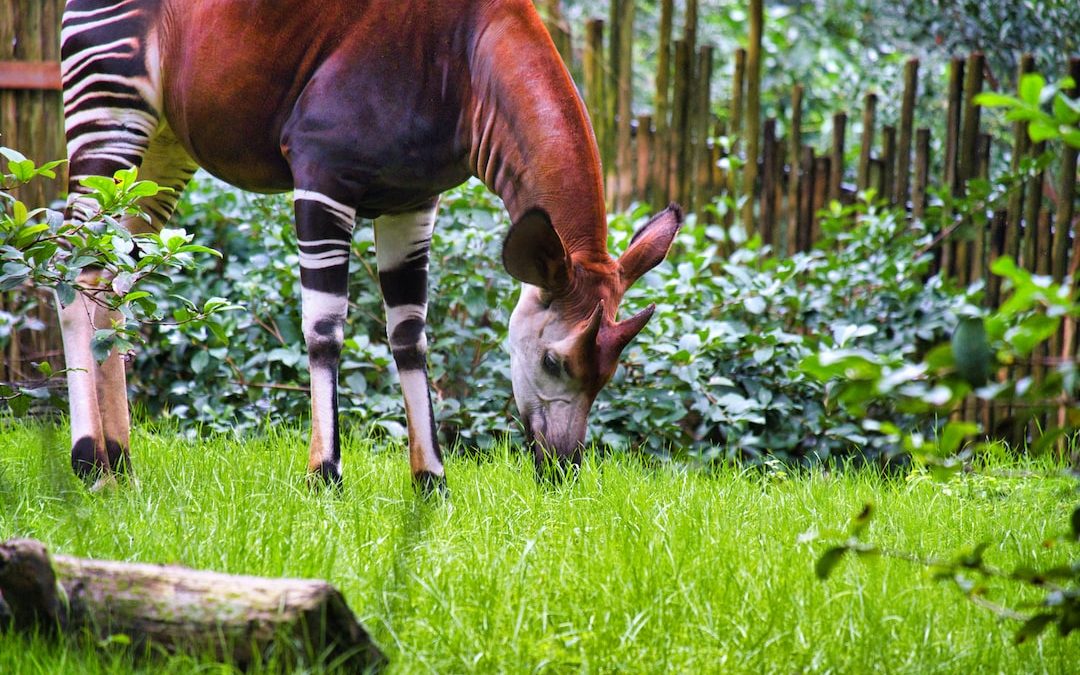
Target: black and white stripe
<point>111,101</point>
<point>402,242</point>
<point>323,228</point>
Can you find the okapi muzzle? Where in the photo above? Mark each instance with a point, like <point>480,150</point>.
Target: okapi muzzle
<point>565,340</point>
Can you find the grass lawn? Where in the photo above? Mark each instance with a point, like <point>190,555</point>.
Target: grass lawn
<point>628,569</point>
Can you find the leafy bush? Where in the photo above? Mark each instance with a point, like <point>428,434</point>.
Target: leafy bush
<point>715,373</point>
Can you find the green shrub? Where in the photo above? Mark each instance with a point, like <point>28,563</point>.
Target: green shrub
<point>715,374</point>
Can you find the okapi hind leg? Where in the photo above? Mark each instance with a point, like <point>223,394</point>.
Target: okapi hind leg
<point>402,242</point>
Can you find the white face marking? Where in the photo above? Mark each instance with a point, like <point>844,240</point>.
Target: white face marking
<point>550,400</point>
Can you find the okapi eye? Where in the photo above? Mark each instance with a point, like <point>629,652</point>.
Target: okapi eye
<point>551,365</point>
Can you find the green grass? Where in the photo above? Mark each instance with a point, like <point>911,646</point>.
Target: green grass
<point>628,569</point>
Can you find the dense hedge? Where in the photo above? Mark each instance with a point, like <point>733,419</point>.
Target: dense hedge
<point>715,372</point>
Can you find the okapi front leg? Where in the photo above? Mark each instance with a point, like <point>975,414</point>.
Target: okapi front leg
<point>401,246</point>
<point>323,227</point>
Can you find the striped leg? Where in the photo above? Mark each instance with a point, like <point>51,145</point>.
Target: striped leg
<point>112,123</point>
<point>401,245</point>
<point>323,228</point>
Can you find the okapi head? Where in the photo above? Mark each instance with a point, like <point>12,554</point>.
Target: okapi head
<point>565,340</point>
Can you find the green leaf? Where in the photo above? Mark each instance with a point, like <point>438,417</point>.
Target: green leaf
<point>65,293</point>
<point>196,248</point>
<point>20,405</point>
<point>971,351</point>
<point>1031,86</point>
<point>45,368</point>
<point>954,433</point>
<point>102,343</point>
<point>1063,112</point>
<point>1072,137</point>
<point>992,99</point>
<point>828,560</point>
<point>1041,131</point>
<point>200,361</point>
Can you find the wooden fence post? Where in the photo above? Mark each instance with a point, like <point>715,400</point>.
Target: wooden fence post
<point>907,124</point>
<point>662,107</point>
<point>595,83</point>
<point>624,163</point>
<point>922,172</point>
<point>769,163</point>
<point>836,180</point>
<point>738,89</point>
<point>794,146</point>
<point>869,111</point>
<point>753,111</point>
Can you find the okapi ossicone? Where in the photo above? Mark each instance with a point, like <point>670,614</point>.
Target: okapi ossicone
<point>361,109</point>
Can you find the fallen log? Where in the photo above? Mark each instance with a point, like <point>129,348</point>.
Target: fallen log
<point>239,619</point>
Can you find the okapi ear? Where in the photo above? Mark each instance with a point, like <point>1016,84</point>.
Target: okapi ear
<point>650,244</point>
<point>533,253</point>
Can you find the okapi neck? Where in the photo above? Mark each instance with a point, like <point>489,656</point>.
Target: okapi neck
<point>530,140</point>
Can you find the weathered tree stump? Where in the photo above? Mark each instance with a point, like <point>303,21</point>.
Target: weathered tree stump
<point>236,618</point>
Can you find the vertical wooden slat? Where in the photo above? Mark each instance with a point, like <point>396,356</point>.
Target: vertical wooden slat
<point>643,185</point>
<point>836,156</point>
<point>820,195</point>
<point>1066,193</point>
<point>922,172</point>
<point>888,164</point>
<point>1067,223</point>
<point>738,89</point>
<point>979,242</point>
<point>595,83</point>
<point>952,120</point>
<point>679,113</point>
<point>770,151</point>
<point>702,120</point>
<point>952,144</point>
<point>1033,246</point>
<point>869,112</point>
<point>794,146</point>
<point>662,105</point>
<point>907,124</point>
<point>753,110</point>
<point>968,156</point>
<point>1021,147</point>
<point>806,200</point>
<point>624,159</point>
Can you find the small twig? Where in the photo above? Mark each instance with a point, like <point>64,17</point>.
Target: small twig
<point>272,385</point>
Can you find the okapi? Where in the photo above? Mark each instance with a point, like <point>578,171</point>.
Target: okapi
<point>361,109</point>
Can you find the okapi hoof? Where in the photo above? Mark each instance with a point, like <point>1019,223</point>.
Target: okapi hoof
<point>86,462</point>
<point>327,474</point>
<point>119,458</point>
<point>428,485</point>
<point>557,470</point>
